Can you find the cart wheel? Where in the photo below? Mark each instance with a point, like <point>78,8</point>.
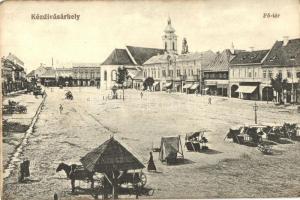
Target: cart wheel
<point>143,179</point>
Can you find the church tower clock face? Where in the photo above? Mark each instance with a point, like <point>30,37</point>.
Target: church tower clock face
<point>170,38</point>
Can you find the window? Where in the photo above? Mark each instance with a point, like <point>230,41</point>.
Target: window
<point>270,74</point>
<point>173,45</point>
<point>280,73</point>
<point>212,75</point>
<point>249,72</point>
<point>145,74</point>
<point>225,75</point>
<point>264,73</point>
<point>206,75</point>
<point>158,74</point>
<point>192,71</point>
<point>289,74</point>
<point>220,75</point>
<point>105,75</point>
<point>164,73</point>
<point>184,71</point>
<point>178,72</point>
<point>255,74</point>
<point>165,45</point>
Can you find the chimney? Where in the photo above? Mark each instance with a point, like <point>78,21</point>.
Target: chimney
<point>285,40</point>
<point>251,49</point>
<point>232,48</point>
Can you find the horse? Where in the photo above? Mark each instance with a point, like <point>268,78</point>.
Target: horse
<point>76,172</point>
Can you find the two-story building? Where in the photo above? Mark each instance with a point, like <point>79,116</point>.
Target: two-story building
<point>245,75</point>
<point>216,78</point>
<point>13,74</point>
<point>86,74</point>
<point>284,60</point>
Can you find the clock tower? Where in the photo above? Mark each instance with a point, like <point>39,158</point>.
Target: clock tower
<point>170,38</point>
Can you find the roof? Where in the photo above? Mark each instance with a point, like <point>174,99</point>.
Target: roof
<point>48,74</point>
<point>282,55</point>
<point>249,57</point>
<point>13,58</point>
<point>118,57</point>
<point>138,76</point>
<point>110,155</point>
<point>221,61</point>
<point>142,54</point>
<point>31,74</point>
<point>84,65</point>
<point>206,57</point>
<point>169,28</point>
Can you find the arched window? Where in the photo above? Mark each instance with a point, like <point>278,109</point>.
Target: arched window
<point>105,75</point>
<point>113,75</point>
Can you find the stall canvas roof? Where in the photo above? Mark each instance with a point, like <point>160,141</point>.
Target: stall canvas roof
<point>110,155</point>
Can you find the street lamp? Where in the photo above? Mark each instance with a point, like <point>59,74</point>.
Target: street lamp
<point>255,108</point>
<point>294,63</point>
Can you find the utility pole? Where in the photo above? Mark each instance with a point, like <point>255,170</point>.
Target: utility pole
<point>255,108</point>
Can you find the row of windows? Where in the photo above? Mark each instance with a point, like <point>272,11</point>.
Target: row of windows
<point>216,75</point>
<point>269,73</point>
<point>156,73</point>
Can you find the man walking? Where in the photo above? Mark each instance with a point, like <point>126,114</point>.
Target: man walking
<point>209,100</point>
<point>141,95</point>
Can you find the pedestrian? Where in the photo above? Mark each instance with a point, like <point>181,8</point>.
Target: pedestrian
<point>60,108</point>
<point>151,165</point>
<point>209,100</point>
<point>142,95</point>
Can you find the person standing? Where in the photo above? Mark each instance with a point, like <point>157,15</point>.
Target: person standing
<point>209,100</point>
<point>142,95</point>
<point>60,108</point>
<point>151,165</point>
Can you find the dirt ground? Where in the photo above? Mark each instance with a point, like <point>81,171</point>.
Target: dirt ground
<point>228,170</point>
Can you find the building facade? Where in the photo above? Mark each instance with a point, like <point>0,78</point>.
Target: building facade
<point>12,74</point>
<point>86,74</point>
<point>283,60</point>
<point>245,75</point>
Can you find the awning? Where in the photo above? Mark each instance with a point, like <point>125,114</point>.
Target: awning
<point>168,85</point>
<point>186,86</point>
<point>246,89</point>
<point>210,82</point>
<point>195,86</point>
<point>154,84</point>
<point>205,89</point>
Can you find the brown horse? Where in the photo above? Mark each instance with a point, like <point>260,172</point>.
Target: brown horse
<point>76,172</point>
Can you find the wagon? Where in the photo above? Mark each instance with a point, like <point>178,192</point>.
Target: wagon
<point>130,179</point>
<point>196,141</point>
<point>14,107</point>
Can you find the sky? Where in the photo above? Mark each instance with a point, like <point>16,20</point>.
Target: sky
<point>106,25</point>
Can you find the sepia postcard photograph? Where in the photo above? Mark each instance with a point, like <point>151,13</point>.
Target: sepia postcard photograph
<point>174,99</point>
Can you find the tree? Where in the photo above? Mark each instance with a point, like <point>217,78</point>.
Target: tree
<point>148,83</point>
<point>279,85</point>
<point>121,77</point>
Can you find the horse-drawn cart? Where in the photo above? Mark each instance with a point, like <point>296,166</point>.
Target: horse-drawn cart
<point>13,107</point>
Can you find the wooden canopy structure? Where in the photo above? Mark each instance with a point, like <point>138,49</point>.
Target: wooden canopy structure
<point>110,155</point>
<point>110,158</point>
